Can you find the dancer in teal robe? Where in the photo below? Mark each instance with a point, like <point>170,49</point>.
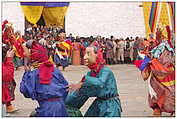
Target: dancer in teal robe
<point>100,83</point>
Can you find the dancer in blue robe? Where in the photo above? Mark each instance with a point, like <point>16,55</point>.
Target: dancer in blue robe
<point>45,84</point>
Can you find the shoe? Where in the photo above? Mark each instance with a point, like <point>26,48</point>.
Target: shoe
<point>157,112</point>
<point>11,109</point>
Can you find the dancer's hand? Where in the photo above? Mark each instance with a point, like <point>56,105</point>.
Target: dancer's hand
<point>10,53</point>
<point>74,87</point>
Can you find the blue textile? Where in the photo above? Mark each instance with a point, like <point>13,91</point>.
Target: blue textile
<point>31,88</point>
<point>62,62</point>
<point>144,63</point>
<point>45,4</point>
<point>104,87</point>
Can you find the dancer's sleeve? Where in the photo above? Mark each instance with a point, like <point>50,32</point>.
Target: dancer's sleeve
<point>74,99</point>
<point>93,85</point>
<point>62,82</point>
<point>27,85</point>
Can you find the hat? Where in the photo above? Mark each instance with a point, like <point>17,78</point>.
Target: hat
<point>39,54</point>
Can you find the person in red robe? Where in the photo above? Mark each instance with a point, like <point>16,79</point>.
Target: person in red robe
<point>8,82</point>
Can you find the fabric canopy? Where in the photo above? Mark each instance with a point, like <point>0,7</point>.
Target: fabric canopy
<point>54,16</point>
<point>53,12</point>
<point>32,13</point>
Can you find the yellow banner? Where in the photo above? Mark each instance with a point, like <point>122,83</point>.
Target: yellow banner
<point>146,11</point>
<point>163,16</point>
<point>55,16</point>
<point>32,13</point>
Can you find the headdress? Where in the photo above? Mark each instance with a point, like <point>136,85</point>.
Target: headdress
<point>100,62</point>
<point>39,55</point>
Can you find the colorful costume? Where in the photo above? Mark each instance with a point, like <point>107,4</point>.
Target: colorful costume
<point>62,53</point>
<point>8,82</point>
<point>100,83</point>
<point>159,71</point>
<point>15,43</point>
<point>45,84</point>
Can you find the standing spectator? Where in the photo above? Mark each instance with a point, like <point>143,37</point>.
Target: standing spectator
<point>127,51</point>
<point>104,50</point>
<point>116,54</point>
<point>114,49</point>
<point>135,48</point>
<point>76,60</point>
<point>121,46</point>
<point>82,52</point>
<point>131,49</point>
<point>109,52</point>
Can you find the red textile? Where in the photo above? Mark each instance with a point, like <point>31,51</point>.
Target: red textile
<point>83,79</point>
<point>69,42</point>
<point>169,78</point>
<point>39,54</point>
<point>161,101</point>
<point>165,97</point>
<point>95,43</point>
<point>158,35</point>
<point>138,63</point>
<point>7,76</point>
<point>7,69</point>
<point>19,48</point>
<point>156,65</point>
<point>4,34</point>
<point>4,23</point>
<point>21,40</point>
<point>5,38</point>
<point>95,69</point>
<point>12,39</point>
<point>169,36</point>
<point>45,72</point>
<point>100,62</point>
